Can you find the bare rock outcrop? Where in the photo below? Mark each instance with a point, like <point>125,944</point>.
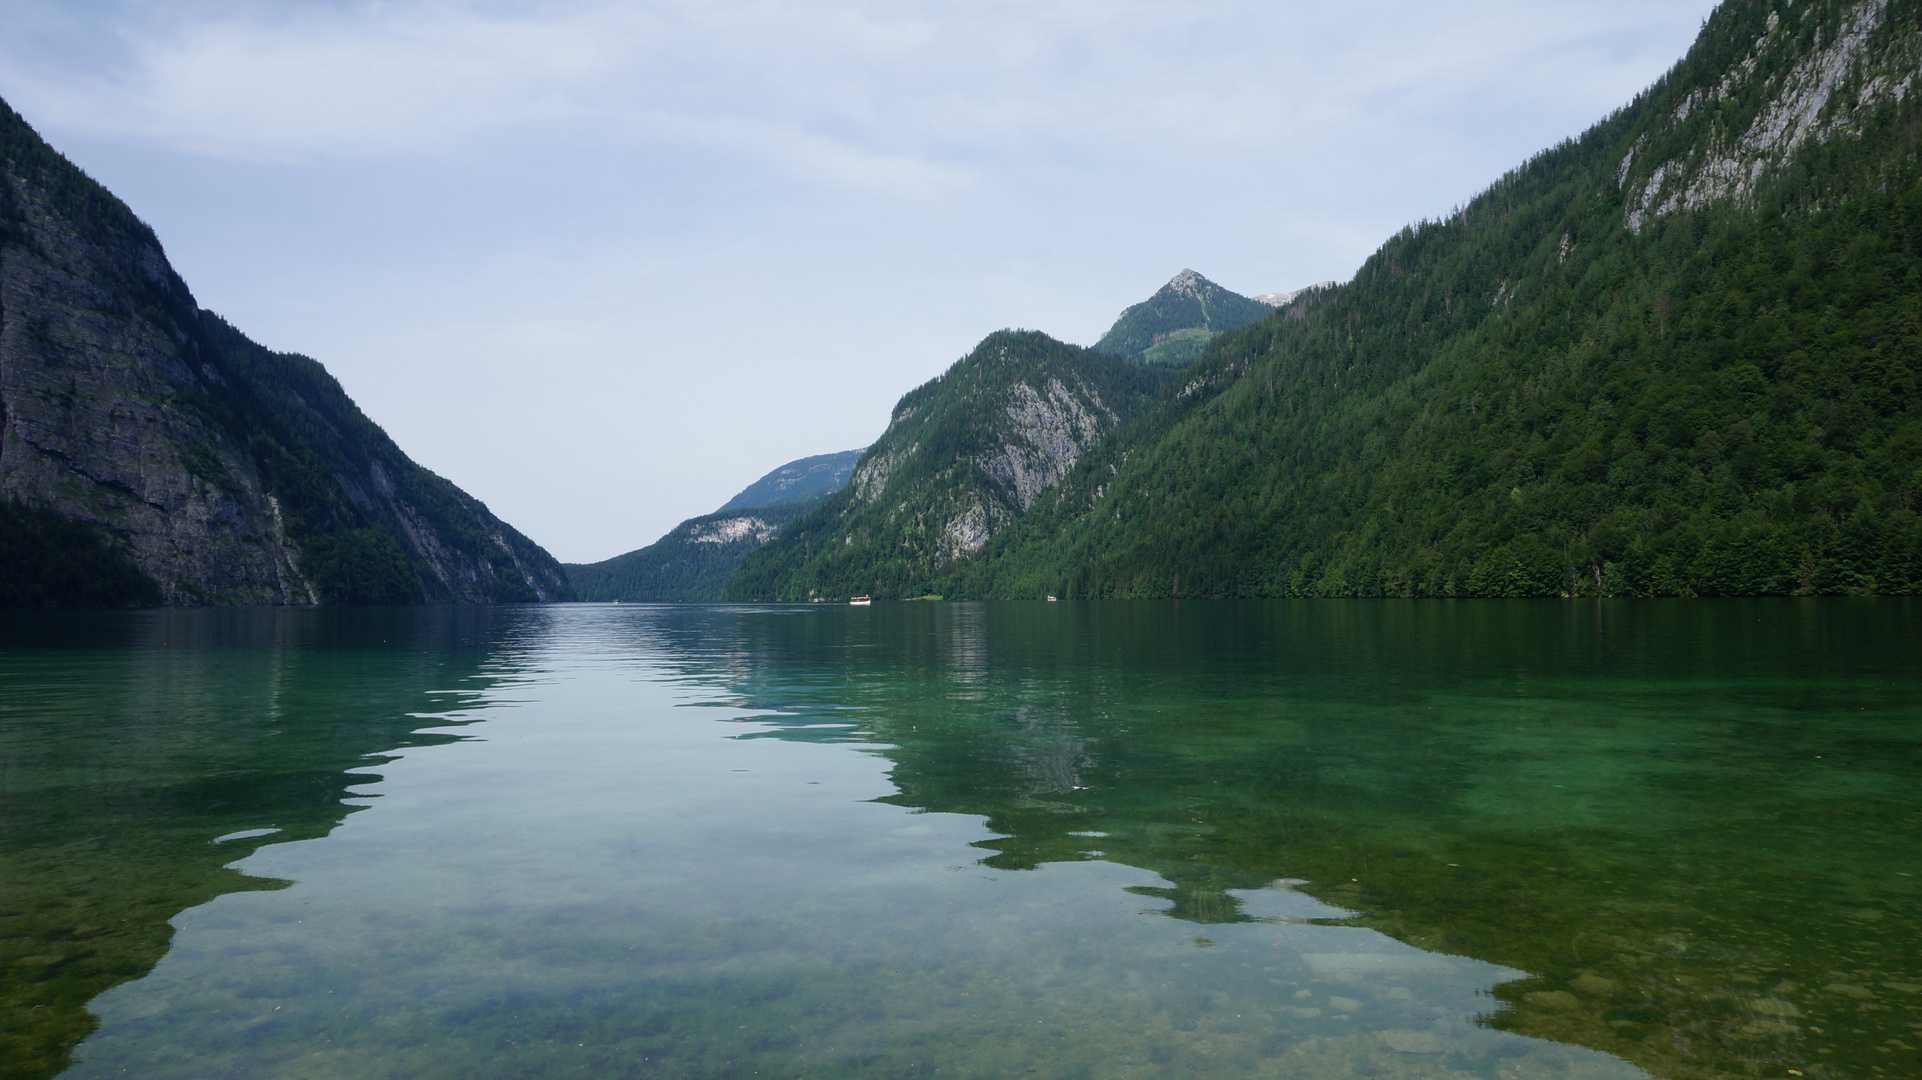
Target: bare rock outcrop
<point>1810,96</point>
<point>965,456</point>
<point>226,473</point>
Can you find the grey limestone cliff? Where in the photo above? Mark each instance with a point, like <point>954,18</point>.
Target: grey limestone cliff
<point>963,457</point>
<point>1814,83</point>
<point>224,472</point>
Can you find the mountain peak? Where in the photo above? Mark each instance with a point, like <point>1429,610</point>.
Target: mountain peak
<point>1171,327</point>
<point>1188,283</point>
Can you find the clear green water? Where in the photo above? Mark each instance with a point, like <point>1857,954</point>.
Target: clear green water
<point>1316,839</point>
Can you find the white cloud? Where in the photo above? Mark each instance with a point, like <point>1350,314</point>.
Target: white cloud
<point>299,83</point>
<point>845,89</point>
<point>601,225</point>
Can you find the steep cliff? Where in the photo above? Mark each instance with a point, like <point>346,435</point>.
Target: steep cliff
<point>963,457</point>
<point>216,470</point>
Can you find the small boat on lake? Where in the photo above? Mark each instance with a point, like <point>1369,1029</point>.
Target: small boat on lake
<point>861,601</point>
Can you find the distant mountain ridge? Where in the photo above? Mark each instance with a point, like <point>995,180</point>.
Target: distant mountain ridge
<point>198,466</point>
<point>1170,328</point>
<point>695,560</point>
<point>691,564</point>
<point>964,456</point>
<point>802,481</point>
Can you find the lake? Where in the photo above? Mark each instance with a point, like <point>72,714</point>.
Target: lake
<point>1500,839</point>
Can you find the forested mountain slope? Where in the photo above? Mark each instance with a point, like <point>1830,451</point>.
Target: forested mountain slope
<point>151,453</point>
<point>964,456</point>
<point>1679,355</point>
<point>693,563</point>
<point>696,559</point>
<point>1170,328</point>
<point>807,480</point>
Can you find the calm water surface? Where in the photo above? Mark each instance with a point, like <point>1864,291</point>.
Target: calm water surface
<point>1312,839</point>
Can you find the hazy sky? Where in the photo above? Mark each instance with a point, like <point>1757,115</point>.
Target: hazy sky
<point>604,264</point>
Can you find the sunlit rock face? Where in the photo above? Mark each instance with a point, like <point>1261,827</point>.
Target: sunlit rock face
<point>734,530</point>
<point>963,458</point>
<point>1049,428</point>
<point>1803,83</point>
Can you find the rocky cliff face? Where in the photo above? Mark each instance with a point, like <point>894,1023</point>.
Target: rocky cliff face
<point>98,416</point>
<point>1283,299</point>
<point>963,457</point>
<point>1680,355</point>
<point>224,472</point>
<point>1802,81</point>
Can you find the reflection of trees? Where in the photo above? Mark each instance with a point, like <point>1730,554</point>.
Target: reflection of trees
<point>132,740</point>
<point>1574,790</point>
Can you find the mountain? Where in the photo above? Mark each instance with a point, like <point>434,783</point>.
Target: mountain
<point>803,481</point>
<point>1170,328</point>
<point>1283,299</point>
<point>151,453</point>
<point>1680,355</point>
<point>694,561</point>
<point>964,457</point>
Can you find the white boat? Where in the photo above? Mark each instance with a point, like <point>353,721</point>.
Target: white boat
<point>861,601</point>
<point>1050,599</point>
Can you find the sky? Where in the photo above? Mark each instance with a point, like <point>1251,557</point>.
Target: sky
<point>605,264</point>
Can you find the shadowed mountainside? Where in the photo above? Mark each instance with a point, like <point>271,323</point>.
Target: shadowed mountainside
<point>200,467</point>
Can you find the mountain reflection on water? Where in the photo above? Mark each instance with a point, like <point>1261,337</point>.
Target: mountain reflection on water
<point>1679,834</point>
<point>130,740</point>
<point>1692,824</point>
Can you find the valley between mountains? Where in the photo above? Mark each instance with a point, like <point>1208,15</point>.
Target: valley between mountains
<point>1679,354</point>
<point>1676,355</point>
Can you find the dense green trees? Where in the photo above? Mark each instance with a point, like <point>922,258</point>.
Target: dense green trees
<point>960,458</point>
<point>691,564</point>
<point>1724,405</point>
<point>1617,371</point>
<point>48,561</point>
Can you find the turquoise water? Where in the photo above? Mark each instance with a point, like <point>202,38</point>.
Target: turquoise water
<point>1313,839</point>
